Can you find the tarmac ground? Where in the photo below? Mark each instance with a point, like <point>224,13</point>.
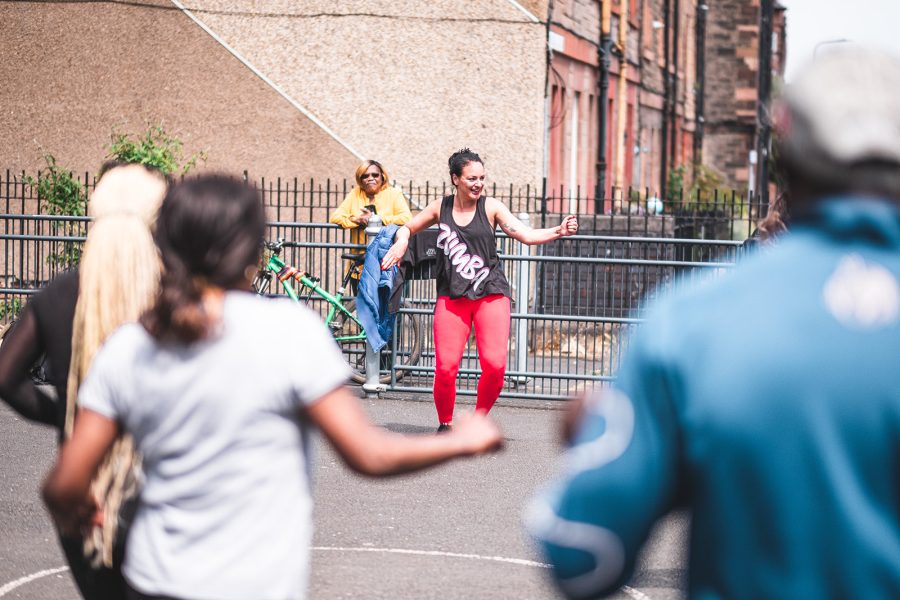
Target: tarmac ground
<point>452,532</point>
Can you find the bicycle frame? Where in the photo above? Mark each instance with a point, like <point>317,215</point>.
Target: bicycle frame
<point>345,327</point>
<point>285,273</point>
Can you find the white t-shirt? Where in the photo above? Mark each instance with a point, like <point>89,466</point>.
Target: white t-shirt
<point>226,509</point>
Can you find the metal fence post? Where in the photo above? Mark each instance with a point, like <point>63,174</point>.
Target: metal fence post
<point>372,387</point>
<point>522,290</point>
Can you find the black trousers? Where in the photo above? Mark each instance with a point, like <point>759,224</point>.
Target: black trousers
<point>133,594</point>
<point>94,584</point>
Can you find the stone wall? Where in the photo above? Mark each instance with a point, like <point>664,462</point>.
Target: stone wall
<point>405,82</point>
<point>73,71</point>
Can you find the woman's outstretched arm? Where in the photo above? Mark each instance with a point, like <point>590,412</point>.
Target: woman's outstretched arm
<point>67,489</point>
<point>373,451</point>
<point>517,230</point>
<point>428,217</point>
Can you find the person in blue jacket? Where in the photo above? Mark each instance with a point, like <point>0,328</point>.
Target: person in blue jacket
<point>767,402</point>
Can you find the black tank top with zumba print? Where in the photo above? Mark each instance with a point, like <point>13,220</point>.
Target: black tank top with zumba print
<point>468,265</point>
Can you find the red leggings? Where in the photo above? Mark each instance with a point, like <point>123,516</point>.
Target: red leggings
<point>453,320</point>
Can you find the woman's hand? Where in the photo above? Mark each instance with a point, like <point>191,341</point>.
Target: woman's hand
<point>362,219</point>
<point>79,518</point>
<point>477,433</point>
<point>569,226</point>
<point>395,254</point>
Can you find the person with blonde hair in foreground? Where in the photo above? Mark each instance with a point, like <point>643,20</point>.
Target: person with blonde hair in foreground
<point>67,322</point>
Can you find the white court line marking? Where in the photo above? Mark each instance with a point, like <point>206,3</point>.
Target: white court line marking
<point>29,578</point>
<point>637,595</point>
<point>514,561</point>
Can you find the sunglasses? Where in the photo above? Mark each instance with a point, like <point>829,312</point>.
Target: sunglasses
<point>370,176</point>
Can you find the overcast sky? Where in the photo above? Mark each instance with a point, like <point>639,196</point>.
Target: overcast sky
<point>810,22</point>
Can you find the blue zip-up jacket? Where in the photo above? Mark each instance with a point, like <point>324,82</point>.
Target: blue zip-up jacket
<point>375,288</point>
<point>768,402</point>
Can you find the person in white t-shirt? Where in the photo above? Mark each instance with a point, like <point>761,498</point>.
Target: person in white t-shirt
<point>220,389</point>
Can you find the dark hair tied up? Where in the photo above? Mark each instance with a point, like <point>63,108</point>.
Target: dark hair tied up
<point>209,232</point>
<point>460,159</point>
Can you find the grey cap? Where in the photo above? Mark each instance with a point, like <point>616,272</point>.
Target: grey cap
<point>845,107</point>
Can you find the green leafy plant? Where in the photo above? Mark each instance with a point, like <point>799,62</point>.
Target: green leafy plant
<point>706,182</point>
<point>154,148</point>
<point>675,182</point>
<point>10,309</point>
<point>61,195</point>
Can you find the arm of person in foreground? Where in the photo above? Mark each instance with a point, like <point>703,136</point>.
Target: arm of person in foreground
<point>615,481</point>
<point>19,351</point>
<point>428,217</point>
<point>373,451</point>
<point>517,230</point>
<point>67,489</point>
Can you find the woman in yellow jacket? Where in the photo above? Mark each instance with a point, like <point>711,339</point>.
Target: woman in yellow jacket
<point>372,194</point>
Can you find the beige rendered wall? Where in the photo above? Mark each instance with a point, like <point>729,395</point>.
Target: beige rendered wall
<point>70,71</point>
<point>405,81</point>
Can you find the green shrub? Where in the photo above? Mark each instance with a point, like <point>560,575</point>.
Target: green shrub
<point>154,148</point>
<point>10,309</point>
<point>62,195</point>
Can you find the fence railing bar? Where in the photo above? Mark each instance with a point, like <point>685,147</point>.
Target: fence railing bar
<point>42,238</point>
<point>615,261</point>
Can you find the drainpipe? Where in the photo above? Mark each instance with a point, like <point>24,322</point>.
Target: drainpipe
<point>673,98</point>
<point>664,130</point>
<point>603,53</point>
<point>700,95</point>
<point>546,157</point>
<point>622,96</point>
<point>764,132</point>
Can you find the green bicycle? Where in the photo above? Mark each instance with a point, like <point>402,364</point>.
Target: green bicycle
<point>405,347</point>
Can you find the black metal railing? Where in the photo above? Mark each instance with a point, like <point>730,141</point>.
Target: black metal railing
<point>575,301</point>
<point>716,215</point>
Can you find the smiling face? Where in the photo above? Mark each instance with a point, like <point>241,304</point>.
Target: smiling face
<point>371,180</point>
<point>470,183</point>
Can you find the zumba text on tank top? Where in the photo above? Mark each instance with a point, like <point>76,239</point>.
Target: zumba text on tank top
<point>468,264</point>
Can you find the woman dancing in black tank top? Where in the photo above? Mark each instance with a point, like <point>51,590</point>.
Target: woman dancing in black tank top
<point>471,286</point>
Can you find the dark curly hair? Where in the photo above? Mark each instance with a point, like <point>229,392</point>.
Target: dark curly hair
<point>208,232</point>
<point>460,159</point>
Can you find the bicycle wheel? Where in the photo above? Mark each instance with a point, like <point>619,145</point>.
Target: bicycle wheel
<point>350,336</point>
<point>409,334</point>
<point>262,283</point>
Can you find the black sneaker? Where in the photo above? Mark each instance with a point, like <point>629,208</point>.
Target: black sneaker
<point>444,427</point>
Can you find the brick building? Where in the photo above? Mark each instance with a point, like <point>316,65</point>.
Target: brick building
<point>664,107</point>
<point>308,89</point>
<point>732,60</point>
<point>280,88</point>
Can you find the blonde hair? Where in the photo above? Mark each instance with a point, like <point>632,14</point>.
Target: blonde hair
<point>364,166</point>
<point>119,275</point>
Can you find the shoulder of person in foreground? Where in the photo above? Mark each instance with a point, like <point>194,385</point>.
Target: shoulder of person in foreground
<point>623,470</point>
<point>618,477</point>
